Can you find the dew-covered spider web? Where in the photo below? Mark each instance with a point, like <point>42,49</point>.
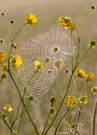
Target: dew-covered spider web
<point>54,44</point>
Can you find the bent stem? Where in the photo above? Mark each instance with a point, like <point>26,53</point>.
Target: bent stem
<point>23,102</point>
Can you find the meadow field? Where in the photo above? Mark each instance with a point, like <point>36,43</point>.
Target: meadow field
<point>48,13</point>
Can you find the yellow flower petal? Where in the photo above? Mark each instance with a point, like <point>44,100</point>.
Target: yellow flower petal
<point>2,56</point>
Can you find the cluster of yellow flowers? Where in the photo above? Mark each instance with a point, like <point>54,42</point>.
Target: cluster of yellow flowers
<point>72,101</point>
<point>81,74</point>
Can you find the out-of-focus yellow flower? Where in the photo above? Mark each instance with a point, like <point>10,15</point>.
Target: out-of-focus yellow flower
<point>94,90</point>
<point>71,101</point>
<point>2,56</point>
<point>31,19</point>
<point>80,73</point>
<point>83,100</point>
<point>8,108</point>
<point>17,61</point>
<point>90,77</point>
<point>67,22</point>
<point>58,63</point>
<point>38,65</point>
<point>4,67</point>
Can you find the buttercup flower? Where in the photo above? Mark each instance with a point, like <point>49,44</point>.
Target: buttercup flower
<point>31,19</point>
<point>94,90</point>
<point>2,56</point>
<point>38,65</point>
<point>67,22</point>
<point>83,100</point>
<point>80,73</point>
<point>8,108</point>
<point>58,63</point>
<point>17,61</point>
<point>90,77</point>
<point>71,101</point>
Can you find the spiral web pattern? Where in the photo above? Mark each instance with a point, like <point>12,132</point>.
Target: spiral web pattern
<point>54,44</point>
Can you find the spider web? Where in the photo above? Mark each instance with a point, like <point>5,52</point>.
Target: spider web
<point>42,47</point>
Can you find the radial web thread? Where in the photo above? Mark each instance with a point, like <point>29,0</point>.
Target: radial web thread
<point>54,44</point>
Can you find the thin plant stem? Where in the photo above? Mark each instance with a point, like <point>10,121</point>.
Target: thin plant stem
<point>46,123</point>
<point>18,32</point>
<point>61,120</point>
<point>23,102</point>
<point>7,124</point>
<point>94,119</point>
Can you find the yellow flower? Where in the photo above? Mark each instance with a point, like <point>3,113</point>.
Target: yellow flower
<point>31,19</point>
<point>80,73</point>
<point>58,63</point>
<point>8,108</point>
<point>94,90</point>
<point>90,77</point>
<point>65,21</point>
<point>2,56</point>
<point>17,61</point>
<point>38,65</point>
<point>83,100</point>
<point>71,101</point>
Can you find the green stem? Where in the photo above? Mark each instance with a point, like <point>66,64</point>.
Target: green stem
<point>18,32</point>
<point>82,57</point>
<point>46,123</point>
<point>23,102</point>
<point>94,119</point>
<point>7,124</point>
<point>61,120</point>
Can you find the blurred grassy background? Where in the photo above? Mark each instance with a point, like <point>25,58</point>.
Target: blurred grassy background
<point>48,13</point>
